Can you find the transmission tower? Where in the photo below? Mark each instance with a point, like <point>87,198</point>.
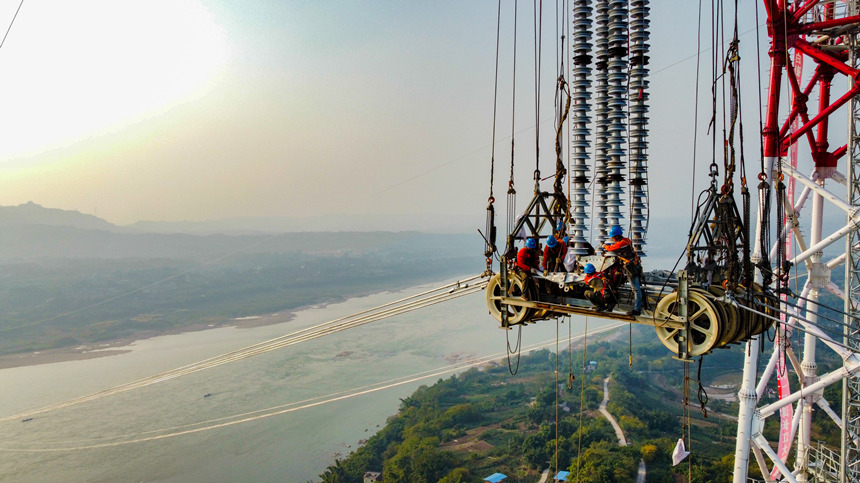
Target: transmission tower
<point>825,34</point>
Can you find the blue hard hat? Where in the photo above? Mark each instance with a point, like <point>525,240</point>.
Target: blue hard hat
<point>531,243</point>
<point>616,231</point>
<point>551,241</point>
<point>559,225</point>
<point>566,240</point>
<point>589,269</point>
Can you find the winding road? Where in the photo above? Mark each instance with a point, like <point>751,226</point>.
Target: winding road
<point>622,441</point>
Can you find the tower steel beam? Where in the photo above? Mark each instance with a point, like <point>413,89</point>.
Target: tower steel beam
<point>825,33</point>
<point>850,452</point>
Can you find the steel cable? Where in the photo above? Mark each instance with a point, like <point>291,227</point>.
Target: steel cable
<point>272,411</point>
<point>401,306</point>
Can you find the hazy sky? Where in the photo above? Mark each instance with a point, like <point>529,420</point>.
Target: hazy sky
<point>197,109</point>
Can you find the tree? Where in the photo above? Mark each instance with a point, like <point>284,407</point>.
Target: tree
<point>534,450</point>
<point>603,462</point>
<point>649,451</point>
<point>334,473</point>
<point>457,475</point>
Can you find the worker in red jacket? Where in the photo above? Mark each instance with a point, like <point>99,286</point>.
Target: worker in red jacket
<point>553,255</point>
<point>528,258</point>
<point>623,247</point>
<point>599,292</point>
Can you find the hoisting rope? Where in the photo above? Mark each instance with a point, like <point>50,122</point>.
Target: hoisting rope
<point>729,221</point>
<point>559,190</point>
<point>764,245</point>
<point>581,397</point>
<point>566,24</point>
<point>490,240</point>
<point>538,16</point>
<point>782,268</point>
<point>512,193</point>
<point>513,369</point>
<point>630,345</point>
<point>570,376</point>
<point>686,433</point>
<point>712,125</point>
<point>695,120</point>
<point>562,89</point>
<point>746,269</point>
<point>701,394</point>
<point>556,389</point>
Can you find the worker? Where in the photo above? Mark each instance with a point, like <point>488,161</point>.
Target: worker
<point>560,231</point>
<point>599,292</point>
<point>553,255</point>
<point>623,247</point>
<point>527,258</point>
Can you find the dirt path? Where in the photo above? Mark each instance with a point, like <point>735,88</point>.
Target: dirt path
<point>622,441</point>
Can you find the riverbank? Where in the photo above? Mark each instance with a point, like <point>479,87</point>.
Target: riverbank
<point>289,411</point>
<point>120,346</point>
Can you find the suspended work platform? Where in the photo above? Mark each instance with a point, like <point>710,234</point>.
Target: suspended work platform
<point>715,321</point>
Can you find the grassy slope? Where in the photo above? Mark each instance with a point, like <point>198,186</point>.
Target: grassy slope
<point>486,421</point>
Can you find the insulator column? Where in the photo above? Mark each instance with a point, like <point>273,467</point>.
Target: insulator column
<point>617,110</point>
<point>638,97</point>
<point>580,122</point>
<point>601,114</point>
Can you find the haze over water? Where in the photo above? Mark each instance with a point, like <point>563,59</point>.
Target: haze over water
<point>294,446</point>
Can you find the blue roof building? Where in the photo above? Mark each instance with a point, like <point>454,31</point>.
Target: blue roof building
<point>495,477</point>
<point>561,476</point>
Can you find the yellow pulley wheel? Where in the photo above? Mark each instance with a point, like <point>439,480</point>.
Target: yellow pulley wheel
<point>516,289</point>
<point>704,323</point>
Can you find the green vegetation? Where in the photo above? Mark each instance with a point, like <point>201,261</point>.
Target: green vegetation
<point>485,420</point>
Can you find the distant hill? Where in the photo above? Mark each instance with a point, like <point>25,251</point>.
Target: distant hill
<point>427,223</point>
<point>34,214</point>
<point>32,242</point>
<point>30,232</point>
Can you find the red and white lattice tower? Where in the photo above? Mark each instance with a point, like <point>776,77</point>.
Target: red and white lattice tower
<point>821,35</point>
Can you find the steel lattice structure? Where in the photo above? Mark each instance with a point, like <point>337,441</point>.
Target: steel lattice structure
<point>609,80</point>
<point>850,450</point>
<point>825,34</point>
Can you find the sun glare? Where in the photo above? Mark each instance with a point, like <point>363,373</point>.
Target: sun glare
<point>77,69</point>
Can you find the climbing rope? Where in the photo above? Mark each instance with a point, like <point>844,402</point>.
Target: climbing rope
<point>581,397</point>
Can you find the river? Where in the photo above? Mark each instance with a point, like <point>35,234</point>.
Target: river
<point>279,416</point>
